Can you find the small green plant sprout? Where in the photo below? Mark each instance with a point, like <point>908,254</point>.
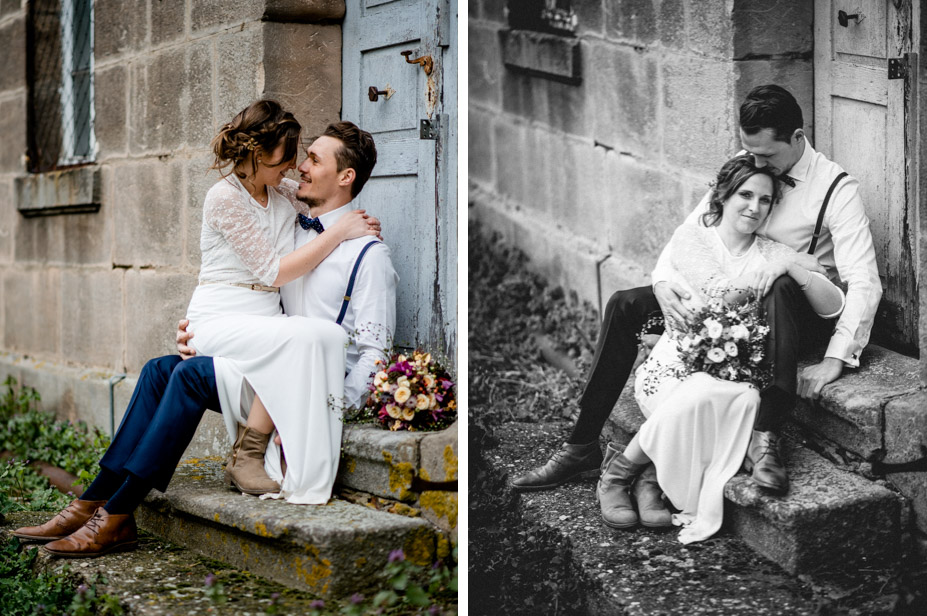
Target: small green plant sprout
<point>274,607</point>
<point>215,590</point>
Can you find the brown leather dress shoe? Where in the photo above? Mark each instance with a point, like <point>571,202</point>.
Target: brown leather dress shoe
<point>764,462</point>
<point>568,463</point>
<point>66,522</point>
<point>102,534</point>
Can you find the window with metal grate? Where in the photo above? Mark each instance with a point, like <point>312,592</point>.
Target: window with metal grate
<point>60,78</point>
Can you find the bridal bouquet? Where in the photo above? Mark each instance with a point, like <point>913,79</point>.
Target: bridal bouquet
<point>727,342</point>
<point>412,393</point>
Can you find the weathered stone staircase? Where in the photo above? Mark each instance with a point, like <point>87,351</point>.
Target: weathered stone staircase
<point>333,550</point>
<point>833,516</point>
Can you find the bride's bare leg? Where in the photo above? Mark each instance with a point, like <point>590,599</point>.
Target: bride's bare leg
<point>258,418</point>
<point>634,453</point>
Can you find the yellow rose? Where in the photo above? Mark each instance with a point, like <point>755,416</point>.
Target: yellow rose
<point>401,359</point>
<point>429,381</point>
<point>421,402</point>
<point>407,413</point>
<point>381,376</point>
<point>432,401</point>
<point>393,411</point>
<point>402,381</point>
<point>402,394</point>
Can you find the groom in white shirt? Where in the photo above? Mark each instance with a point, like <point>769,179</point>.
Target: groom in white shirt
<point>337,166</point>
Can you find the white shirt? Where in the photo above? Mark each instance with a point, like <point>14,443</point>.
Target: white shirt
<point>371,316</point>
<point>845,247</point>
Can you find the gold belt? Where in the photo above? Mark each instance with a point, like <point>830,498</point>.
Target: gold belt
<point>244,285</point>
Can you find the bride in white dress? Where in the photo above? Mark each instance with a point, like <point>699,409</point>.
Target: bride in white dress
<point>272,371</point>
<point>698,428</point>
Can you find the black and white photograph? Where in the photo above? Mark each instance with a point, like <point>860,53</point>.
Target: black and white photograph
<point>695,274</point>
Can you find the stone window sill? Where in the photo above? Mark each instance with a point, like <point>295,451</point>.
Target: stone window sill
<point>69,191</point>
<point>541,54</point>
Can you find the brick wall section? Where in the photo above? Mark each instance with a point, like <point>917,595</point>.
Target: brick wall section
<point>104,291</point>
<point>605,169</point>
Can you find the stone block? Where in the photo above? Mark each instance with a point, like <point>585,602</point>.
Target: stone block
<point>590,18</point>
<point>13,129</point>
<point>906,441</point>
<point>211,15</point>
<point>92,318</point>
<point>167,21</point>
<point>154,303</point>
<point>211,438</point>
<point>117,30</point>
<point>110,95</point>
<point>8,220</point>
<point>380,462</point>
<point>32,311</point>
<point>564,106</point>
<point>480,134</point>
<point>199,178</point>
<point>8,7</point>
<point>710,29</point>
<point>543,54</point>
<point>535,159</point>
<point>196,96</point>
<point>574,266</point>
<point>632,20</point>
<point>239,70</point>
<point>851,411</point>
<point>156,121</point>
<point>485,72</point>
<point>699,126</point>
<point>302,70</point>
<point>671,24</point>
<point>620,272</point>
<point>817,525</point>
<point>150,227</point>
<point>509,140</point>
<point>13,52</point>
<point>795,75</point>
<point>624,98</point>
<point>777,27</point>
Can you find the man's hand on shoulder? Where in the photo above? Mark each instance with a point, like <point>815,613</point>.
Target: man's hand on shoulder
<point>813,378</point>
<point>183,337</point>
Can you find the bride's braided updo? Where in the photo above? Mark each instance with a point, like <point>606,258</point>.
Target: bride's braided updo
<point>260,127</point>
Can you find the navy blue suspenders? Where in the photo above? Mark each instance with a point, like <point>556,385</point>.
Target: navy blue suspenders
<point>350,289</point>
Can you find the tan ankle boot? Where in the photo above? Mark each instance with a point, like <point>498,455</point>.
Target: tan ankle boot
<point>246,470</point>
<point>617,475</point>
<point>649,497</point>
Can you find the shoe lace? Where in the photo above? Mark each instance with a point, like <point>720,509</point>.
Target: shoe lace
<point>770,448</point>
<point>94,522</point>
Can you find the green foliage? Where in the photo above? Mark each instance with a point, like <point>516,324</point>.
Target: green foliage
<point>214,589</point>
<point>23,593</point>
<point>32,434</point>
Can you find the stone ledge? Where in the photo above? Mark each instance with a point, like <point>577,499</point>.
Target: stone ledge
<point>332,550</point>
<point>69,191</point>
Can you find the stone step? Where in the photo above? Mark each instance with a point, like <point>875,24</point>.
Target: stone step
<point>333,550</point>
<point>163,579</point>
<point>816,524</point>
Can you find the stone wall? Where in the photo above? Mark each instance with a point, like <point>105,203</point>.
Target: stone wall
<point>586,151</point>
<point>88,295</point>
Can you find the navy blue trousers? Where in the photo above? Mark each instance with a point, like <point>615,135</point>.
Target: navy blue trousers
<point>166,407</point>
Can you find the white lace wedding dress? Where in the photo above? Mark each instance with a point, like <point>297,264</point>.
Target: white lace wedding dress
<point>295,364</point>
<point>698,429</point>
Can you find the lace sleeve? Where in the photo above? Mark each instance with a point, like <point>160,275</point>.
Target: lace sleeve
<point>774,251</point>
<point>288,189</point>
<point>226,211</point>
<point>694,257</point>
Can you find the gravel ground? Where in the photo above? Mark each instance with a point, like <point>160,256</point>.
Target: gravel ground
<point>548,552</point>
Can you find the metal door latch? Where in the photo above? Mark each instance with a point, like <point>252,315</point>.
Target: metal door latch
<point>898,68</point>
<point>428,129</point>
<point>426,62</point>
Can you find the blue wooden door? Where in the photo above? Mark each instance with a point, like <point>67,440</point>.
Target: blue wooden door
<point>414,123</point>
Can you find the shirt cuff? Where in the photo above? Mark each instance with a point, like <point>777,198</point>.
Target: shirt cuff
<point>845,350</point>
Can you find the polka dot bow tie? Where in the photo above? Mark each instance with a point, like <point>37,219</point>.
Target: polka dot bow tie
<point>310,223</point>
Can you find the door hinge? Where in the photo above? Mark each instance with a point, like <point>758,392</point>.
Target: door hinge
<point>898,67</point>
<point>428,128</point>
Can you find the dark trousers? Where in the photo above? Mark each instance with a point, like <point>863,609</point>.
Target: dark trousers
<point>789,317</point>
<point>165,409</point>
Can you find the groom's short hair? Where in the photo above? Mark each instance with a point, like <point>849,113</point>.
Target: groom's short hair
<point>774,107</point>
<point>357,152</point>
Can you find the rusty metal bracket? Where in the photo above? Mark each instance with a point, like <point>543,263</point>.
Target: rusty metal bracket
<point>428,128</point>
<point>426,62</point>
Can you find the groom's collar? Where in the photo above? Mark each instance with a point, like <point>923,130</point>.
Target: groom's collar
<point>799,171</point>
<point>329,218</point>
